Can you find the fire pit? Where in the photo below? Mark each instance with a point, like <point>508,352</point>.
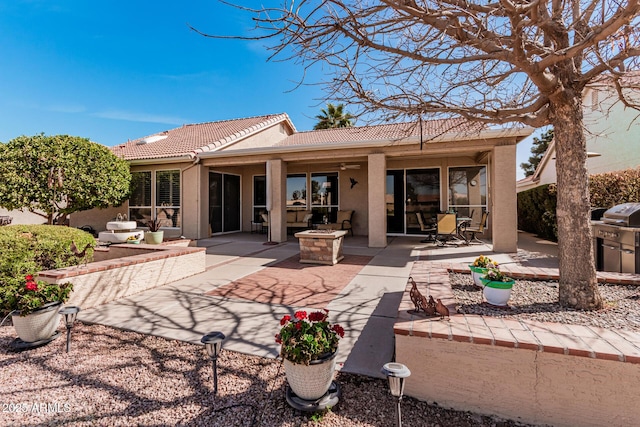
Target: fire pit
<point>321,246</point>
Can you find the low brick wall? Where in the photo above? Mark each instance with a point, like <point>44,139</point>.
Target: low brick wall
<point>138,268</point>
<point>535,372</point>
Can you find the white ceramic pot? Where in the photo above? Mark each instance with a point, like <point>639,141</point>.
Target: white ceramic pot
<point>39,325</point>
<point>311,382</point>
<point>477,273</point>
<point>153,237</point>
<point>497,293</point>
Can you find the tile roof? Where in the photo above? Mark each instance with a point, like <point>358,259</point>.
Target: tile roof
<point>189,140</point>
<point>395,131</point>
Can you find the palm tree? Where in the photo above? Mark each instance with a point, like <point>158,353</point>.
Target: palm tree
<point>333,117</point>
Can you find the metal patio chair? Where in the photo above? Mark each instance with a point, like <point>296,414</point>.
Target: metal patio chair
<point>478,229</point>
<point>447,229</point>
<point>424,228</point>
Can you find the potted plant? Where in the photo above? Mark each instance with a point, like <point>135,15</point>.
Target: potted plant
<point>308,347</point>
<point>154,236</point>
<point>479,268</point>
<point>497,287</point>
<point>133,239</point>
<point>35,307</point>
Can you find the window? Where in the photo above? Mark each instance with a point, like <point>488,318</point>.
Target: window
<point>324,196</point>
<point>468,191</point>
<point>297,191</point>
<point>165,205</point>
<point>140,199</point>
<point>168,197</point>
<point>259,197</point>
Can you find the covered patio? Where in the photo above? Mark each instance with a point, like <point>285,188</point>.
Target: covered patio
<point>387,175</point>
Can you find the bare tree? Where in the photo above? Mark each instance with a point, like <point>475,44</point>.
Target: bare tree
<point>504,61</point>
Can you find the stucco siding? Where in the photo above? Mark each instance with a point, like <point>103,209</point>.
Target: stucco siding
<point>534,387</point>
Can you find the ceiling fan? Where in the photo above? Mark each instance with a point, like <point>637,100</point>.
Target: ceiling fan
<point>344,166</point>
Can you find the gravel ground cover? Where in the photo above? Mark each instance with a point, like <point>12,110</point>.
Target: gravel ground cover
<point>537,300</point>
<point>118,378</point>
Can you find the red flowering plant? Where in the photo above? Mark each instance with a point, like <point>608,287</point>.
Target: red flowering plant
<point>305,338</point>
<point>26,297</point>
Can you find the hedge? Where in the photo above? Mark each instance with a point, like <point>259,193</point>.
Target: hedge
<point>613,188</point>
<point>27,249</point>
<point>537,211</point>
<point>537,207</point>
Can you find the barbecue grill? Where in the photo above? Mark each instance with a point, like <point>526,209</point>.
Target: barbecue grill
<point>616,239</point>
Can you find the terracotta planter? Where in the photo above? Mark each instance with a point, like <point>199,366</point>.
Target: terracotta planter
<point>39,325</point>
<point>311,382</point>
<point>497,293</point>
<point>477,273</point>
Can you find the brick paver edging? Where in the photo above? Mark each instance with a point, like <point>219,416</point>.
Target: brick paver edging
<point>574,340</point>
<point>535,273</point>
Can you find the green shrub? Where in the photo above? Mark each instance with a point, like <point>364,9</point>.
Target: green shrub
<point>28,249</point>
<point>613,188</point>
<point>537,207</point>
<point>537,211</point>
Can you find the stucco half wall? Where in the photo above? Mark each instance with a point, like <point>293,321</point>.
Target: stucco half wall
<point>520,384</point>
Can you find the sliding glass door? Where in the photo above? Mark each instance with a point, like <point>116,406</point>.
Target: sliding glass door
<point>409,192</point>
<point>224,202</point>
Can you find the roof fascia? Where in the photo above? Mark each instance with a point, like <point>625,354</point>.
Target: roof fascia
<point>545,159</point>
<point>161,160</point>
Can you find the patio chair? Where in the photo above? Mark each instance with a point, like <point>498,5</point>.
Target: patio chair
<point>430,230</point>
<point>479,229</point>
<point>447,228</point>
<point>343,222</point>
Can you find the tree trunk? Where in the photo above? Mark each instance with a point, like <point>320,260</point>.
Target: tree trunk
<point>578,284</point>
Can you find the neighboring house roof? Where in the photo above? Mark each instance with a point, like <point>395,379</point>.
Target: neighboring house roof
<point>431,129</point>
<point>189,140</point>
<point>612,131</point>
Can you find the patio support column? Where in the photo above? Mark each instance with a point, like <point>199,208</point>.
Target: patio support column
<point>277,188</point>
<point>376,200</point>
<point>504,214</point>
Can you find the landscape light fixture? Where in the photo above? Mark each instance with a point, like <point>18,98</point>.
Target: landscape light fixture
<point>69,313</point>
<point>213,344</point>
<point>396,373</point>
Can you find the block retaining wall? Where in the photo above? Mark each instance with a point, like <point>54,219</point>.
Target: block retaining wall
<point>535,372</point>
<point>138,268</point>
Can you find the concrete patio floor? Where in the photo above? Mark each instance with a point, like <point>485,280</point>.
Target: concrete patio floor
<point>366,307</point>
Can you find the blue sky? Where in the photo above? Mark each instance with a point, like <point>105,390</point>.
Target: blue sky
<point>117,70</point>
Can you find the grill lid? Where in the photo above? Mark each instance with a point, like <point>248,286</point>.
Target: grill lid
<point>626,215</point>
